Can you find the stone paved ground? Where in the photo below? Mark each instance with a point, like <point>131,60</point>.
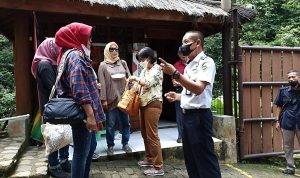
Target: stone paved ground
<point>33,164</point>
<point>9,149</point>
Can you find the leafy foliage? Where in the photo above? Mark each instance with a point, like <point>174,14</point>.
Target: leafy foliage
<point>277,23</point>
<point>7,89</point>
<point>213,48</point>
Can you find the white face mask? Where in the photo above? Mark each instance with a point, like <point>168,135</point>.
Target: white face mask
<point>144,64</point>
<point>87,51</point>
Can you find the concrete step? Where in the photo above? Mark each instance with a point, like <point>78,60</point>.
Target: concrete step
<point>33,163</point>
<point>169,152</point>
<point>10,151</point>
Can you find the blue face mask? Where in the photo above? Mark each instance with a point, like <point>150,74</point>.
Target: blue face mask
<point>185,49</point>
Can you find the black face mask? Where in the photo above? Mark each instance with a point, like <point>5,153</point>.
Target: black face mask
<point>185,49</point>
<point>293,83</point>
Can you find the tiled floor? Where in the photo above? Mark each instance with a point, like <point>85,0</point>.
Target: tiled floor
<point>167,131</point>
<point>168,137</point>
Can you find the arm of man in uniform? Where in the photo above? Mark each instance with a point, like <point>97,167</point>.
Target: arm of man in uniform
<point>277,124</point>
<point>194,87</point>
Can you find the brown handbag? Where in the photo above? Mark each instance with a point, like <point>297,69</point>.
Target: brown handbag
<point>130,101</point>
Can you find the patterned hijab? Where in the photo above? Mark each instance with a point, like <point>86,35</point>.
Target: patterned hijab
<point>71,36</point>
<point>47,51</point>
<point>107,56</point>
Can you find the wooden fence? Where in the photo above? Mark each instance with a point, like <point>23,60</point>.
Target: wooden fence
<point>263,72</point>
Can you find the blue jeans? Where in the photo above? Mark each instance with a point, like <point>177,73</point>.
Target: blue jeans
<point>123,118</point>
<point>178,118</point>
<point>84,147</point>
<point>53,158</point>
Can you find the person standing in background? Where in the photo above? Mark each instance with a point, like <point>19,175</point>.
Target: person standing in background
<point>179,65</point>
<point>112,74</point>
<point>288,117</point>
<point>43,68</point>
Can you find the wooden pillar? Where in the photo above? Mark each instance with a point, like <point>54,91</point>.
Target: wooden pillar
<point>22,65</point>
<point>226,55</point>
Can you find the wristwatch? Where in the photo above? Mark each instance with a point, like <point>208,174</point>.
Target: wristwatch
<point>176,74</point>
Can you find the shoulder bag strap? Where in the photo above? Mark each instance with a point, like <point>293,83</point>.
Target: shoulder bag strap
<point>123,64</point>
<point>60,69</point>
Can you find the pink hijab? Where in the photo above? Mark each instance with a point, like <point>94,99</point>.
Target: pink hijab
<point>47,51</point>
<point>72,36</point>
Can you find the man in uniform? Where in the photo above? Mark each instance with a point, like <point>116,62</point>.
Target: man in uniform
<point>196,96</point>
<point>288,117</point>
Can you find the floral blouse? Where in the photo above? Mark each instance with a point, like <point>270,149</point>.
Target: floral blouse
<point>152,90</point>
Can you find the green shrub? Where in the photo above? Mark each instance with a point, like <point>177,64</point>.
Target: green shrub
<point>7,89</point>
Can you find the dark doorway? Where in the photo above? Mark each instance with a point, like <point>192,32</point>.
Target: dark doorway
<point>167,49</point>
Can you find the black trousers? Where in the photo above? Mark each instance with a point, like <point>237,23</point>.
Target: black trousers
<point>198,145</point>
<point>45,77</point>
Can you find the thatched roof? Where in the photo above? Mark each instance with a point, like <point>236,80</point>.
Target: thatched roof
<point>195,8</point>
<point>245,14</point>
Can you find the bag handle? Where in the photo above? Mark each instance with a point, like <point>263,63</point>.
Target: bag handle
<point>60,69</point>
<point>123,64</point>
<point>139,88</point>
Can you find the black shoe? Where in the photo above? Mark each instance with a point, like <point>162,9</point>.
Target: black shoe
<point>288,171</point>
<point>66,166</point>
<point>58,173</point>
<point>179,140</point>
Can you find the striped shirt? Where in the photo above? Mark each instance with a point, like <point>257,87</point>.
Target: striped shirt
<point>78,81</point>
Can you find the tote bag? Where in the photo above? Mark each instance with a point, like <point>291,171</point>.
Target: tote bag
<point>130,101</point>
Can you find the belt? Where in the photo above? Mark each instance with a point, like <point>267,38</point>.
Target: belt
<point>188,111</point>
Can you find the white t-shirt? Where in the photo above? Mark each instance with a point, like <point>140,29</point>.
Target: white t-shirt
<point>202,68</point>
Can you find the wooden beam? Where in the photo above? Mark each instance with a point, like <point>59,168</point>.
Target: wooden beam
<point>85,8</point>
<point>22,65</point>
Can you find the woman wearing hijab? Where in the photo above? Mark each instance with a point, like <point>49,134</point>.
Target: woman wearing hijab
<point>43,69</point>
<point>79,82</point>
<point>150,109</point>
<point>112,74</point>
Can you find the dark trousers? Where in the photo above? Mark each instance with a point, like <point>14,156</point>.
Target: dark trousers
<point>198,145</point>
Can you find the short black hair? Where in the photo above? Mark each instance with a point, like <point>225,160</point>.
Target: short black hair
<point>147,52</point>
<point>197,35</point>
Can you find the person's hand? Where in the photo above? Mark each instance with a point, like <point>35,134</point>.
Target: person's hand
<point>91,124</point>
<point>171,96</point>
<point>132,78</point>
<point>167,67</point>
<point>100,126</point>
<point>99,86</point>
<point>277,126</point>
<point>104,105</point>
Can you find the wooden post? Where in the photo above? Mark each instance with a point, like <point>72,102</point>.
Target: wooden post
<point>226,55</point>
<point>22,65</point>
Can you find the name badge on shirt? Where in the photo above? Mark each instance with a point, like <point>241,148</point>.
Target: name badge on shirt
<point>188,92</point>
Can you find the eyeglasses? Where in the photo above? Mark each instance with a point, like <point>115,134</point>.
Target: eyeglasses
<point>113,49</point>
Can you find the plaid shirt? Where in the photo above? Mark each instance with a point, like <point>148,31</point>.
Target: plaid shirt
<point>78,81</point>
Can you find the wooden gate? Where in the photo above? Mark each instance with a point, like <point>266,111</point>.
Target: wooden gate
<point>262,72</point>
